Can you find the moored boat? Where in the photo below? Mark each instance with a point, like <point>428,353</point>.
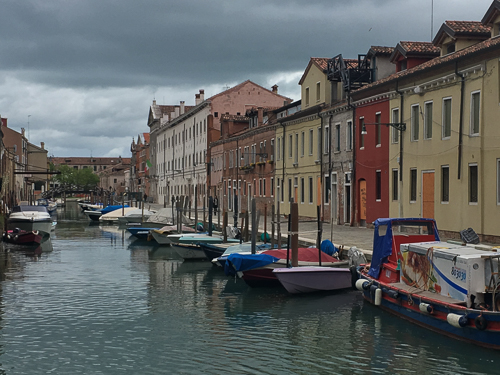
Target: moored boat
<point>30,218</point>
<point>450,289</point>
<point>22,237</point>
<point>257,269</point>
<point>313,279</point>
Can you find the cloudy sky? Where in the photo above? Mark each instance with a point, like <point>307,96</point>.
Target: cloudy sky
<point>80,75</point>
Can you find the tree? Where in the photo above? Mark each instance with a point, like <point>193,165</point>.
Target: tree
<point>81,179</point>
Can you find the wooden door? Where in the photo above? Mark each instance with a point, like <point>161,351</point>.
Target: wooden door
<point>428,195</point>
<point>362,200</point>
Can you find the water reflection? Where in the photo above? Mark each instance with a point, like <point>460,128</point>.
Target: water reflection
<point>102,302</point>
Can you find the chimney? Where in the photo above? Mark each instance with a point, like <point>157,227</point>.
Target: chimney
<point>260,116</point>
<point>182,107</point>
<point>172,115</point>
<point>197,99</point>
<point>22,132</point>
<point>177,111</point>
<point>42,144</point>
<point>202,95</point>
<point>275,89</point>
<point>154,101</point>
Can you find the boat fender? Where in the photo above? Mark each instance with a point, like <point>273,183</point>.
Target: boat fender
<point>456,320</point>
<point>426,308</point>
<point>373,288</point>
<point>393,294</point>
<point>361,283</point>
<point>481,323</point>
<point>378,297</point>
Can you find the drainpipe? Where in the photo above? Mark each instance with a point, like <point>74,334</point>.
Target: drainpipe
<point>282,192</point>
<point>401,117</point>
<point>354,185</point>
<point>461,123</point>
<point>330,173</point>
<point>321,190</point>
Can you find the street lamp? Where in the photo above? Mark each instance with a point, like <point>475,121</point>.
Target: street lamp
<point>401,126</point>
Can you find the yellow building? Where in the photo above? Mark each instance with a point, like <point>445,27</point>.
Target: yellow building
<point>298,144</point>
<point>450,151</point>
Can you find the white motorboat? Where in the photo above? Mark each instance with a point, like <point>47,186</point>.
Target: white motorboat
<point>30,218</point>
<point>136,215</point>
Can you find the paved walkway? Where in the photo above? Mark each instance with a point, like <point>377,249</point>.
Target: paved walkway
<point>347,236</point>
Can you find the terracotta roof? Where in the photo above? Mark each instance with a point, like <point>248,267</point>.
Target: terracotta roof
<point>470,27</point>
<point>420,48</point>
<point>490,44</point>
<point>321,62</point>
<point>381,50</point>
<point>464,29</point>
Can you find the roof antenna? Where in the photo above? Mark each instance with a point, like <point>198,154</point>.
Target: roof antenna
<point>432,19</point>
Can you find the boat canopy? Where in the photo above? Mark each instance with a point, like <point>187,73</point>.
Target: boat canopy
<point>382,240</point>
<point>239,262</point>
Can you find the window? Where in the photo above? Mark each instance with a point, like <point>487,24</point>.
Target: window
<point>290,145</point>
<point>361,135</point>
<point>264,187</point>
<point>296,158</point>
<point>302,144</point>
<point>272,150</point>
<point>261,150</point>
<point>415,122</point>
<point>319,144</point>
<point>446,118</point>
<point>395,185</point>
<point>337,138</point>
<point>327,189</point>
<point>302,190</point>
<point>307,96</point>
<point>311,141</point>
<point>349,135</point>
<point>445,183</point>
<point>473,183</point>
<point>326,141</point>
<point>428,120</point>
<point>378,135</point>
<point>318,91</point>
<point>378,185</point>
<point>413,185</point>
<point>289,190</point>
<point>272,186</point>
<point>311,192</point>
<point>474,112</point>
<point>282,191</point>
<point>260,187</point>
<point>278,149</point>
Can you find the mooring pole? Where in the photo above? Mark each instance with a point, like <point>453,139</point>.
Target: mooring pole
<point>254,229</point>
<point>196,209</point>
<point>320,231</point>
<point>224,226</point>
<point>272,227</point>
<point>210,208</point>
<point>278,234</point>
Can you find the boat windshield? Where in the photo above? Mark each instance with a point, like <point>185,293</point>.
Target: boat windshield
<point>29,208</point>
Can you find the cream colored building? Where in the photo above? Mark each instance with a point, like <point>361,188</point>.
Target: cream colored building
<point>299,144</point>
<point>450,149</point>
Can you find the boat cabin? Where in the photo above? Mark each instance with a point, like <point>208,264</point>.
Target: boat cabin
<point>389,234</point>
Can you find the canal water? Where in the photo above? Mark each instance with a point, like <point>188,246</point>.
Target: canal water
<point>102,303</point>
